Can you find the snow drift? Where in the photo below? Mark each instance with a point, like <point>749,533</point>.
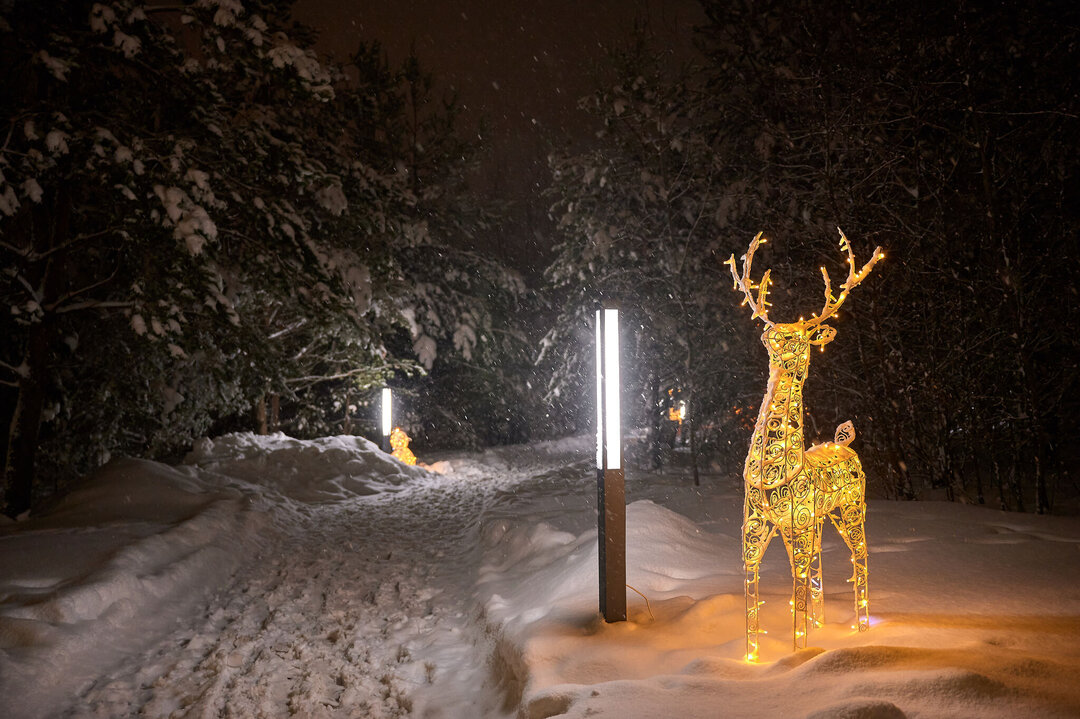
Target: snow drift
<point>269,576</point>
<point>975,614</point>
<point>112,566</point>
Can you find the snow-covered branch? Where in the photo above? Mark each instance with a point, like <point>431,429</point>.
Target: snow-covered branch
<point>75,293</point>
<point>94,305</point>
<point>20,371</point>
<point>288,329</point>
<point>36,256</point>
<point>311,380</point>
<point>29,254</point>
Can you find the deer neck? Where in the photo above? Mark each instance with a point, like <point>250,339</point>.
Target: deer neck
<point>777,445</point>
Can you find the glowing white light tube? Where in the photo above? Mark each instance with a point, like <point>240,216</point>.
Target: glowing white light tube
<point>612,427</point>
<point>599,396</point>
<point>386,411</point>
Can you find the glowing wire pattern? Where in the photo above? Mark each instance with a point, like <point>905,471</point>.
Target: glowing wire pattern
<point>790,490</point>
<point>399,441</point>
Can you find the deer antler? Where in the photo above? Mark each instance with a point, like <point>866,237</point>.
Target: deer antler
<point>832,304</point>
<point>761,304</point>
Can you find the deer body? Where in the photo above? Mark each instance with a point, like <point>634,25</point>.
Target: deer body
<point>791,490</point>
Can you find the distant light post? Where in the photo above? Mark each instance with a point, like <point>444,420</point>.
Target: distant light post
<point>610,480</point>
<point>387,418</point>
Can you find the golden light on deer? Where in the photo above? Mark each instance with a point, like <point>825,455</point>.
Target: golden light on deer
<point>791,490</point>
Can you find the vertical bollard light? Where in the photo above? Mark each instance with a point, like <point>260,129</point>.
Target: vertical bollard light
<point>610,480</point>
<point>387,418</point>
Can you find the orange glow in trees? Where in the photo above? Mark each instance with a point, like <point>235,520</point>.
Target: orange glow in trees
<point>791,490</point>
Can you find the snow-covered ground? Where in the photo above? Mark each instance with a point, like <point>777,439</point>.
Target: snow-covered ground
<point>272,577</point>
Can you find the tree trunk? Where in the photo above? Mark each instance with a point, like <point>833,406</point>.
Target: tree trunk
<point>260,415</point>
<point>275,412</point>
<point>1002,504</point>
<point>346,427</point>
<point>25,428</point>
<point>1042,498</point>
<point>47,226</point>
<point>1018,491</point>
<point>897,459</point>
<point>693,448</point>
<point>692,409</point>
<point>656,422</point>
<point>1014,477</point>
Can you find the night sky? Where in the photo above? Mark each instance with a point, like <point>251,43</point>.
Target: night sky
<point>521,66</point>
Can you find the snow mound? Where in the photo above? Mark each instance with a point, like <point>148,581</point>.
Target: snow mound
<point>334,580</point>
<point>860,709</point>
<point>941,643</point>
<point>329,469</point>
<point>108,567</point>
<point>533,571</point>
<point>113,565</point>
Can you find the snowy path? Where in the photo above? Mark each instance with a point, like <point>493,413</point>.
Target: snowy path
<point>274,577</point>
<point>366,605</point>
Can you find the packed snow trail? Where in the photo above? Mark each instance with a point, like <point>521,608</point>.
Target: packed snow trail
<point>362,608</point>
<point>273,577</point>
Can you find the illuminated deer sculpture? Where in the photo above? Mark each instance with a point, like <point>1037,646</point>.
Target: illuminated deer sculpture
<point>790,490</point>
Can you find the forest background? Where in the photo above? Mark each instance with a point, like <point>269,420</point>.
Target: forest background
<point>205,227</point>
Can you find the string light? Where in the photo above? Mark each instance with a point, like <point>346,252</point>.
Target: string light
<point>790,490</point>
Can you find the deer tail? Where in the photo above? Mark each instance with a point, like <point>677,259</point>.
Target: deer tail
<point>844,434</point>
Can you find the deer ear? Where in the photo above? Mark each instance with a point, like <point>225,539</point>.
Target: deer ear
<point>822,335</point>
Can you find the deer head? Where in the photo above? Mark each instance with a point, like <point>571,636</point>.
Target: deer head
<point>787,341</point>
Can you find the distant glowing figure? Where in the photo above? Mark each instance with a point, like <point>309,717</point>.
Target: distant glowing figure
<point>399,441</point>
<point>677,412</point>
<point>791,490</point>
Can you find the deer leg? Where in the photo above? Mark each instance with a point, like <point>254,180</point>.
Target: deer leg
<point>799,543</point>
<point>817,589</point>
<point>851,525</point>
<point>756,538</point>
<point>800,540</point>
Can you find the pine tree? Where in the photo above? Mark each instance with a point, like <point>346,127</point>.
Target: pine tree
<point>175,176</point>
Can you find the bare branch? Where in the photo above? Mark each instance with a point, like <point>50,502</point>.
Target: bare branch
<point>21,372</point>
<point>74,240</point>
<point>286,330</point>
<point>11,130</point>
<point>20,251</point>
<point>26,284</point>
<point>76,293</point>
<point>308,381</point>
<point>94,305</point>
